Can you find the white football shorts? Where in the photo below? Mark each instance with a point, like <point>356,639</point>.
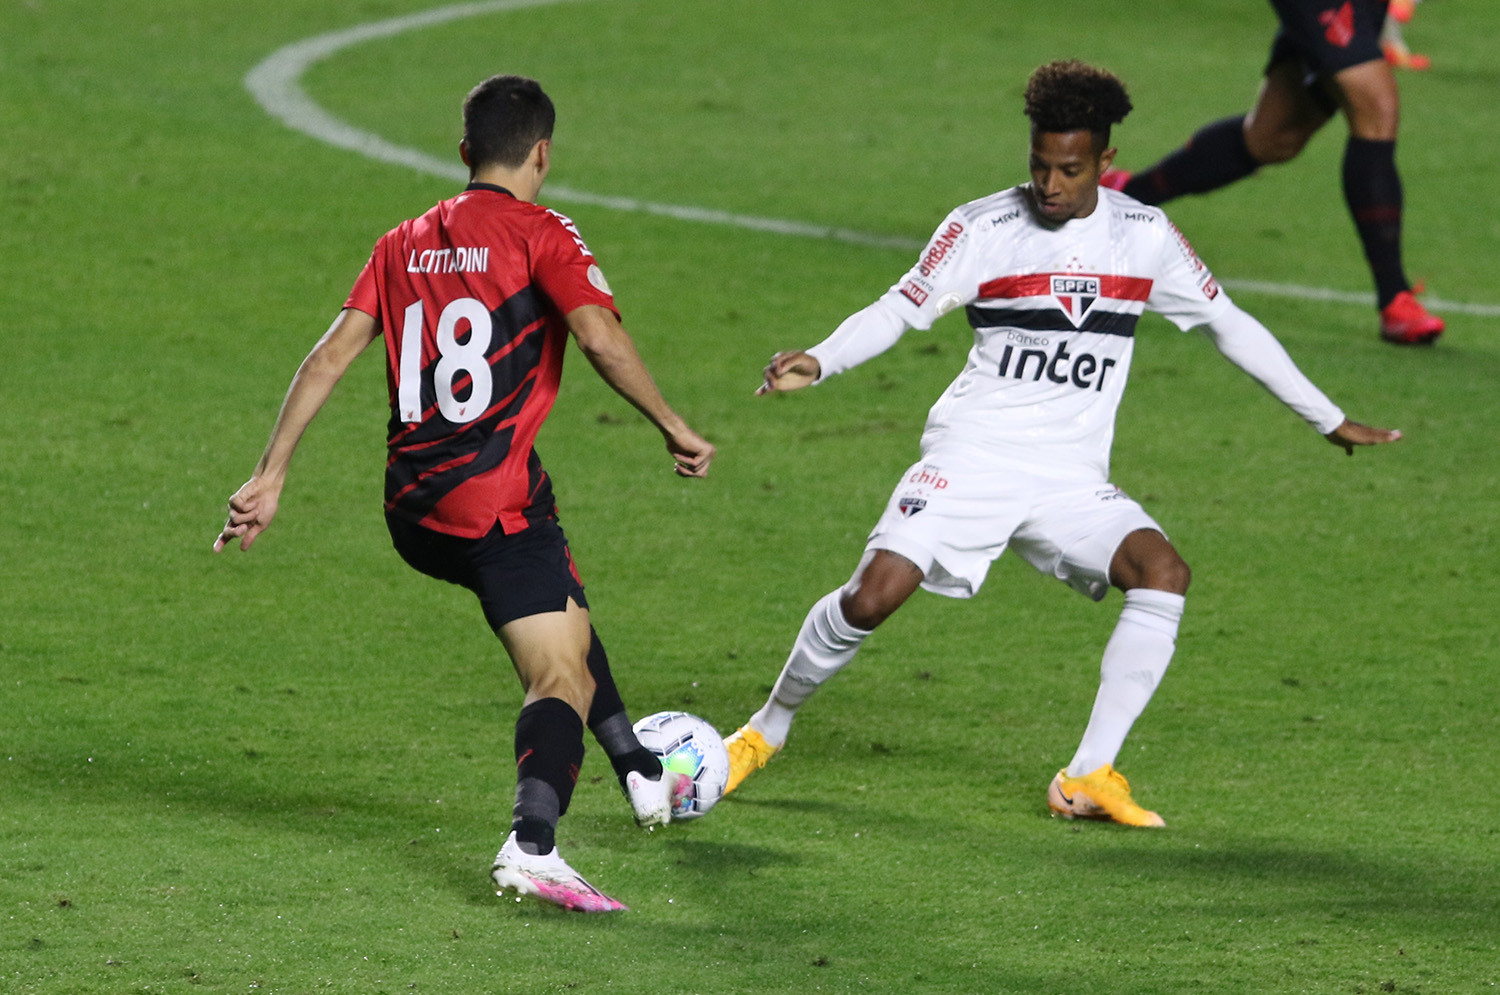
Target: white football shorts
<point>953,522</point>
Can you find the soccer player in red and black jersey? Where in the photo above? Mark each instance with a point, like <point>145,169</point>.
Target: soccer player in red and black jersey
<point>1326,58</point>
<point>475,300</point>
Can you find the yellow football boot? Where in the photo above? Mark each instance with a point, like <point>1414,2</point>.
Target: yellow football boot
<point>748,751</point>
<point>1103,794</point>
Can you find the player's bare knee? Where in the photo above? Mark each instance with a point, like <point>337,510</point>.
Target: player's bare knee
<point>1371,101</point>
<point>865,609</point>
<point>881,584</point>
<point>1281,124</point>
<point>873,600</point>
<point>567,680</point>
<point>579,696</point>
<point>1170,574</point>
<point>1276,147</point>
<point>1376,122</point>
<point>1146,559</point>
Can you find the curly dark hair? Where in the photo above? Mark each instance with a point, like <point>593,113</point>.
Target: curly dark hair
<point>1069,95</point>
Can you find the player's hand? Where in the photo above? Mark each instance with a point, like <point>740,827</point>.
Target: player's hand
<point>691,453</point>
<point>250,511</point>
<point>1352,433</point>
<point>789,371</point>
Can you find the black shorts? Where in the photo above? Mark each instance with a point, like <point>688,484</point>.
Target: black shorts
<point>1326,36</point>
<point>513,576</point>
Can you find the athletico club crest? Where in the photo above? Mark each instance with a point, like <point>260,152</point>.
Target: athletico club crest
<point>1076,294</point>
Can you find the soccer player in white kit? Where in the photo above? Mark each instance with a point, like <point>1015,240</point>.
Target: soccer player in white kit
<point>1054,275</point>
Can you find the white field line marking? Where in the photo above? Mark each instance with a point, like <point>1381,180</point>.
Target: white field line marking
<point>276,85</point>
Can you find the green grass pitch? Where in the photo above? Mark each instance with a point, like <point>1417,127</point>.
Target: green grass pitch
<point>287,771</point>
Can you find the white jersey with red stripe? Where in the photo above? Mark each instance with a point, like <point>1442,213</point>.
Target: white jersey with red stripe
<point>1054,312</point>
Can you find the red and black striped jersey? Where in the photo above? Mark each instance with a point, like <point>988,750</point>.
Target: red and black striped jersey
<point>471,298</point>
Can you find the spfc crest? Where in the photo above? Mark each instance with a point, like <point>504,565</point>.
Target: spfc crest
<point>909,506</point>
<point>1076,294</point>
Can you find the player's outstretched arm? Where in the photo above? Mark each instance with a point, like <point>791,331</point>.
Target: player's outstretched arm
<point>1248,344</point>
<point>254,505</point>
<point>612,352</point>
<point>1352,433</point>
<point>863,335</point>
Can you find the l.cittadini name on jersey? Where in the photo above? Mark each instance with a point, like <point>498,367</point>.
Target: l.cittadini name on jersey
<point>459,259</point>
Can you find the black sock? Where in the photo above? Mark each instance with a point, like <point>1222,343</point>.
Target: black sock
<point>611,725</point>
<point>613,734</point>
<point>607,699</point>
<point>1372,189</point>
<point>1214,157</point>
<point>549,753</point>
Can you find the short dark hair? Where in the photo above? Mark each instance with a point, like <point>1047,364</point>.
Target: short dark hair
<point>503,118</point>
<point>1069,95</point>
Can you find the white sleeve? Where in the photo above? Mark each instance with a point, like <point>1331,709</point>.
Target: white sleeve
<point>942,278</point>
<point>1249,345</point>
<point>1184,291</point>
<point>863,335</point>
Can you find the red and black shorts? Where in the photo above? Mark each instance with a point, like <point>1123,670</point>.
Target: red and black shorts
<point>1326,36</point>
<point>514,576</point>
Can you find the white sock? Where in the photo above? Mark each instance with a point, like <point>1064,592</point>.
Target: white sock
<point>1135,659</point>
<point>826,643</point>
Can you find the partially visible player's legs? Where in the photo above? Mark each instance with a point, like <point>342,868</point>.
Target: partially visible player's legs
<point>1275,130</point>
<point>638,770</point>
<point>550,654</point>
<point>830,636</point>
<point>534,602</point>
<point>1155,580</point>
<point>609,722</point>
<point>1286,115</point>
<point>1214,157</point>
<point>1368,95</point>
<point>832,633</point>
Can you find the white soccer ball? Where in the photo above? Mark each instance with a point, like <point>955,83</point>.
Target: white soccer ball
<point>688,745</point>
